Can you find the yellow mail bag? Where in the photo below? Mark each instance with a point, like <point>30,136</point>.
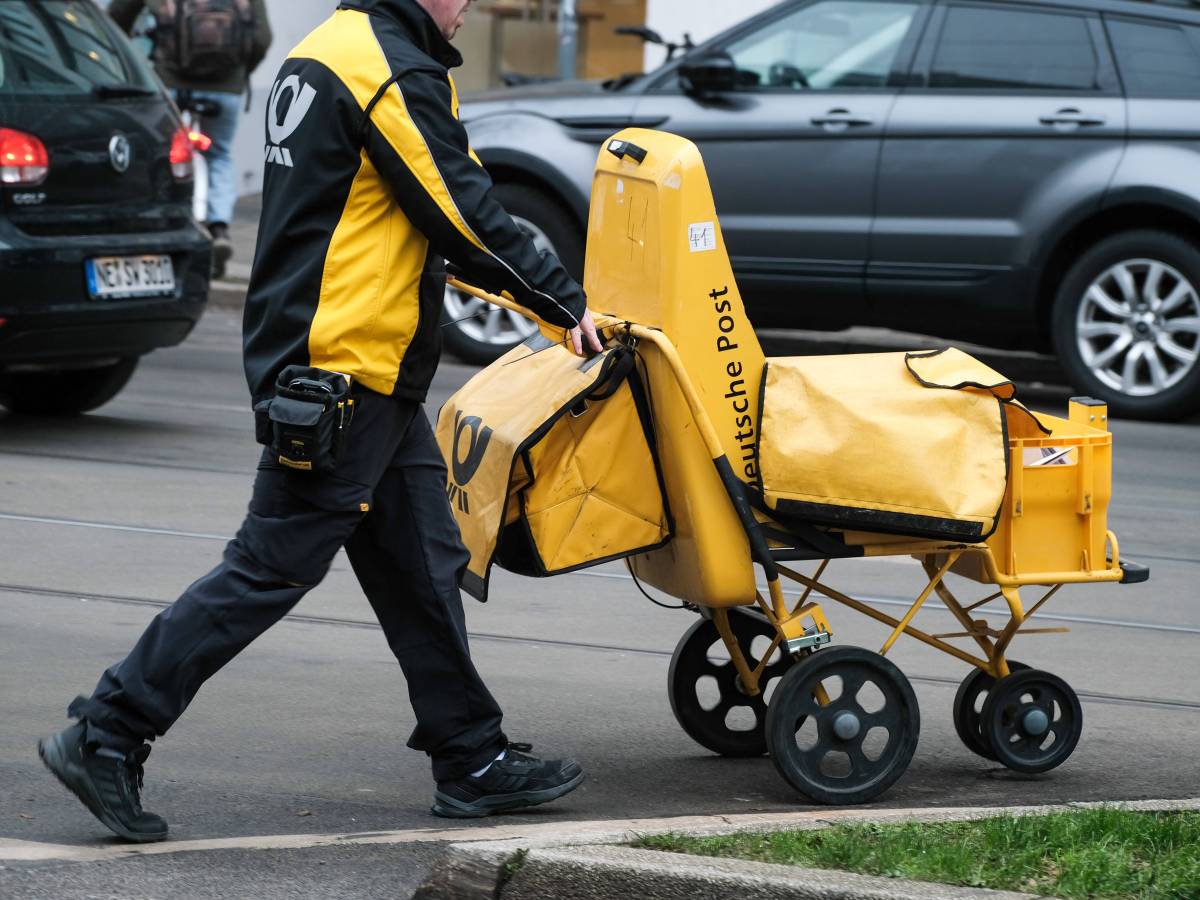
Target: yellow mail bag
<point>901,443</point>
<point>553,464</point>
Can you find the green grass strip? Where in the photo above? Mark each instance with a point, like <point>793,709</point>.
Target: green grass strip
<point>1097,853</point>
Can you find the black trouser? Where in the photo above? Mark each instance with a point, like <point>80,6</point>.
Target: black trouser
<point>387,504</point>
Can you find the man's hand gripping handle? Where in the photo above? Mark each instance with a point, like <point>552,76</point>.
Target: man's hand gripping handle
<point>583,335</point>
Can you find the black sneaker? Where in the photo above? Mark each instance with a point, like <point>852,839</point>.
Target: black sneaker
<point>222,248</point>
<point>108,786</point>
<point>515,782</point>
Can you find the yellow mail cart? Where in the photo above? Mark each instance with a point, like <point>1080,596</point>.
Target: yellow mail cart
<point>686,452</point>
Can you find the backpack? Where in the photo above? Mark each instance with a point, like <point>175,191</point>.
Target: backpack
<point>205,39</point>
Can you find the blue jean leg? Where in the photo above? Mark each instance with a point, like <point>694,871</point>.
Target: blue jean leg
<point>222,174</point>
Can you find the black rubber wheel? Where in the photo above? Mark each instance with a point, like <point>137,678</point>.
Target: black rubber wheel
<point>1032,721</point>
<point>968,708</point>
<point>1126,324</point>
<point>696,660</point>
<point>65,393</point>
<point>554,230</point>
<point>857,746</point>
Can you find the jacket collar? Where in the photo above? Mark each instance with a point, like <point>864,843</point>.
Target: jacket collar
<point>417,24</point>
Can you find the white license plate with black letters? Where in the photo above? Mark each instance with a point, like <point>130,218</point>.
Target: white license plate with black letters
<point>116,277</point>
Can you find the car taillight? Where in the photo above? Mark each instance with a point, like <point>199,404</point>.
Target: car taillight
<point>200,141</point>
<point>181,155</point>
<point>23,158</point>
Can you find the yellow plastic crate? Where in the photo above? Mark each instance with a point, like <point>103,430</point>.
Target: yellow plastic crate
<point>1055,514</point>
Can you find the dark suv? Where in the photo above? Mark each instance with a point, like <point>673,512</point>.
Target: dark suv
<point>100,259</point>
<point>1024,175</point>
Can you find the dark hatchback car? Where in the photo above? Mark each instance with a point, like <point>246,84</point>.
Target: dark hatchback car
<point>1018,174</point>
<point>100,259</point>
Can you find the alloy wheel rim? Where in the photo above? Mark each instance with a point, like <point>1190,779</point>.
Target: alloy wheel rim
<point>488,324</point>
<point>1138,327</point>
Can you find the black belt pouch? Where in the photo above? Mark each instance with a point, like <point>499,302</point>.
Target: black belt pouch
<point>307,422</point>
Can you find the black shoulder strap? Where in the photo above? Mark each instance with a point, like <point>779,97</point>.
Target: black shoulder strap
<point>617,369</point>
<point>366,117</point>
<point>379,95</point>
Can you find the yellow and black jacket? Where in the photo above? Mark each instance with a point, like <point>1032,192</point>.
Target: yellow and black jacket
<point>369,184</point>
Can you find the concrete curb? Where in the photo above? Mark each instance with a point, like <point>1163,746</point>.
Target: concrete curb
<point>227,294</point>
<point>230,291</point>
<point>584,873</point>
<point>583,862</point>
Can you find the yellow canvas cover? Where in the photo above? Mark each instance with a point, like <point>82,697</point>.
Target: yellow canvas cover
<point>901,443</point>
<point>552,463</point>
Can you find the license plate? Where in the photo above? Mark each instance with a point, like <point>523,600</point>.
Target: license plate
<point>116,277</point>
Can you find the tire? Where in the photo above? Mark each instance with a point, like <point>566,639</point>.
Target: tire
<point>690,664</point>
<point>1136,343</point>
<point>553,229</point>
<point>1032,720</point>
<point>64,393</point>
<point>968,700</point>
<point>805,733</point>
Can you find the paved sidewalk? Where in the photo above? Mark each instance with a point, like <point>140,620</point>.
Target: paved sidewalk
<point>231,290</point>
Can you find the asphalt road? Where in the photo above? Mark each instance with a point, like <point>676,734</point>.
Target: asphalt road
<point>104,519</point>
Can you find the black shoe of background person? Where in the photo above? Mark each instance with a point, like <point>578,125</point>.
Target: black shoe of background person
<point>106,785</point>
<point>222,248</point>
<point>515,782</point>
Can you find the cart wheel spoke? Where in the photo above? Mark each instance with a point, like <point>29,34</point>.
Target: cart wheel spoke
<point>858,758</point>
<point>725,673</point>
<point>1021,745</point>
<point>806,708</point>
<point>852,683</point>
<point>881,719</point>
<point>724,705</point>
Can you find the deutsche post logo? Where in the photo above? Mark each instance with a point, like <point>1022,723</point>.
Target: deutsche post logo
<point>296,99</point>
<point>466,457</point>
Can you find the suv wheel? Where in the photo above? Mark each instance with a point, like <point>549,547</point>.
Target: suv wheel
<point>1127,324</point>
<point>481,334</point>
<point>66,393</point>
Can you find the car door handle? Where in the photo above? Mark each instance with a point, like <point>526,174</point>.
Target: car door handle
<point>839,117</point>
<point>1072,117</point>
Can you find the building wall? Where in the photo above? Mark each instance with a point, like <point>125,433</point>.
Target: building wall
<point>291,20</point>
<point>604,55</point>
<point>607,54</point>
<point>701,19</point>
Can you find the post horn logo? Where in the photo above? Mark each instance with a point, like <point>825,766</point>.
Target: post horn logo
<point>296,99</point>
<point>463,467</point>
